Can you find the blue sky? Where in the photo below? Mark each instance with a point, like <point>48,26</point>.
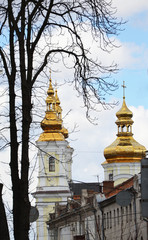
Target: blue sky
<point>135,35</point>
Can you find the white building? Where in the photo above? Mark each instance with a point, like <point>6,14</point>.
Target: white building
<point>55,159</point>
<point>96,218</point>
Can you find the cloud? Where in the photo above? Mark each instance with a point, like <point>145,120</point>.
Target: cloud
<point>128,55</point>
<point>140,126</point>
<point>128,8</point>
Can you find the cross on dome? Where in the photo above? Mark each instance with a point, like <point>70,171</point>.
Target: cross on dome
<point>123,89</point>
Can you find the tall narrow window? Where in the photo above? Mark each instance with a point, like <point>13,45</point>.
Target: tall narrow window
<point>111,177</point>
<point>114,217</point>
<point>128,129</point>
<point>127,214</point>
<point>107,220</point>
<point>118,219</point>
<point>130,212</point>
<point>104,220</point>
<point>110,219</point>
<point>123,128</point>
<point>51,164</point>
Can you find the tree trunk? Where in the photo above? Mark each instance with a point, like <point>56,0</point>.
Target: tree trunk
<point>4,232</point>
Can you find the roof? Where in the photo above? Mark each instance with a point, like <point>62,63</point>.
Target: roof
<point>76,188</point>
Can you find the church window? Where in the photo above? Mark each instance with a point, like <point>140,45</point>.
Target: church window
<point>123,128</point>
<point>50,106</point>
<point>110,177</point>
<point>119,129</point>
<point>53,106</point>
<point>128,128</point>
<point>51,164</point>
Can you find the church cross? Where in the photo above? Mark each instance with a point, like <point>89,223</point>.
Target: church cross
<point>123,89</point>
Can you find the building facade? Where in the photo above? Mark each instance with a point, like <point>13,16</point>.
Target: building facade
<point>124,222</point>
<point>97,217</point>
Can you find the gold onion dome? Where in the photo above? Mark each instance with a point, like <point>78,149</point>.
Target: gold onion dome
<point>52,123</point>
<point>124,148</point>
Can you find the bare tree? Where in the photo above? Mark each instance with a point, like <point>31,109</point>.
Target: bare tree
<point>4,233</point>
<point>30,33</point>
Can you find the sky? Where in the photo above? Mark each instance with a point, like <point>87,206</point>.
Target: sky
<point>88,140</point>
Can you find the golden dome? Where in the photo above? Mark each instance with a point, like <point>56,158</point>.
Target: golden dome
<point>124,148</point>
<point>52,123</point>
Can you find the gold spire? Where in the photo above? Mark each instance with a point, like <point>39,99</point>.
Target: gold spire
<point>124,148</point>
<point>52,122</point>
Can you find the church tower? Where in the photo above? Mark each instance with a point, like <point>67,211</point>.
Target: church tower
<point>55,159</point>
<point>123,156</point>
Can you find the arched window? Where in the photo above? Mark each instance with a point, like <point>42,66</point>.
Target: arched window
<point>51,164</point>
<point>128,128</point>
<point>123,128</point>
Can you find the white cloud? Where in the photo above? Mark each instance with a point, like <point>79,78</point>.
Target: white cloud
<point>140,126</point>
<point>127,8</point>
<point>127,55</point>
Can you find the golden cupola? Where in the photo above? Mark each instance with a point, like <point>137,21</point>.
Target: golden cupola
<point>124,148</point>
<point>52,123</point>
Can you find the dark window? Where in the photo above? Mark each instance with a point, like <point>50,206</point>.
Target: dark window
<point>110,219</point>
<point>127,214</point>
<point>51,164</point>
<point>107,218</point>
<point>130,212</point>
<point>104,220</point>
<point>118,216</point>
<point>114,217</point>
<point>81,237</point>
<point>110,177</point>
<point>99,221</point>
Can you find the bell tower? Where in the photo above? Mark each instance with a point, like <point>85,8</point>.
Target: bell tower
<point>55,159</point>
<point>124,155</point>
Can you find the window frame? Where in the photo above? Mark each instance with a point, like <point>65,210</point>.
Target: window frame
<point>51,164</point>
